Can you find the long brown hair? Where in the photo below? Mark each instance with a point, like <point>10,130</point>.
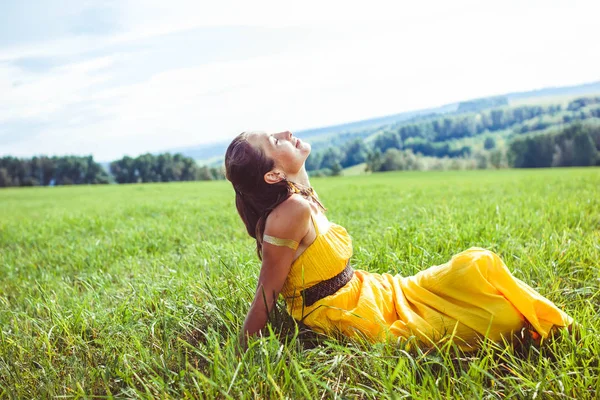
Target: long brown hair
<point>245,167</point>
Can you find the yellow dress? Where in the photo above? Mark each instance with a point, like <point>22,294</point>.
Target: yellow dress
<point>471,296</point>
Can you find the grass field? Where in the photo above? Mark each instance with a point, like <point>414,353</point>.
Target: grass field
<point>140,290</point>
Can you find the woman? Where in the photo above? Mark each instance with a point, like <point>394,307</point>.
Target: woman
<point>306,259</point>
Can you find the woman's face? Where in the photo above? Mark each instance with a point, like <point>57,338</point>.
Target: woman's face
<point>288,152</point>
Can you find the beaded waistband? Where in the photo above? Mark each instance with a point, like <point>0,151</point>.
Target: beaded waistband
<point>327,287</point>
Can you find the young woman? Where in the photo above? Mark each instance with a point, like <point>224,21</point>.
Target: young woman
<point>305,258</point>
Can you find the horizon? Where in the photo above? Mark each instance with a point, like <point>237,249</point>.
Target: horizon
<point>118,78</point>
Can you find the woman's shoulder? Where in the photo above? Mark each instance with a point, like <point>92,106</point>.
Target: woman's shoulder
<point>290,219</point>
<point>294,208</point>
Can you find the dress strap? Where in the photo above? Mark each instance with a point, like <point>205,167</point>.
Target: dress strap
<point>312,217</point>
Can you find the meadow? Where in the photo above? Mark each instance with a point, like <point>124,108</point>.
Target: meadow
<point>139,291</point>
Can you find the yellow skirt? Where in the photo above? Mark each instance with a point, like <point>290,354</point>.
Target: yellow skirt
<point>470,297</point>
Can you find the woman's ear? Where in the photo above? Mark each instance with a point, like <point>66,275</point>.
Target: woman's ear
<point>274,176</point>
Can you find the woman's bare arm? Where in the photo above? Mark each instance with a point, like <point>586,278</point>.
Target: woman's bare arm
<point>290,220</point>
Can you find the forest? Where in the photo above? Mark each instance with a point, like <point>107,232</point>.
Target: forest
<point>524,136</point>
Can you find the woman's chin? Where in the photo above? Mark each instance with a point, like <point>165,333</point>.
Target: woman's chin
<point>306,153</point>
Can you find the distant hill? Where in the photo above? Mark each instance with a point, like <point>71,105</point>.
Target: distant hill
<point>482,104</point>
<point>212,153</point>
<point>583,89</point>
<point>204,153</point>
<point>367,123</point>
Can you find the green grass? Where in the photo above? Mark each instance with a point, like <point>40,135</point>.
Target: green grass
<point>140,290</point>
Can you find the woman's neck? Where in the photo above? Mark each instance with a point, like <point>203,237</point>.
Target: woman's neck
<point>301,177</point>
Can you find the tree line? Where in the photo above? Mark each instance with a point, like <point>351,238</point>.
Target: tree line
<point>576,144</point>
<point>76,170</point>
<point>42,170</point>
<point>161,168</point>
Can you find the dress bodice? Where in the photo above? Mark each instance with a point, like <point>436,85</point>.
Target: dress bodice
<point>323,259</point>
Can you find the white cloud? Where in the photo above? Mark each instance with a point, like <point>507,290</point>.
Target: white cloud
<point>353,63</point>
<point>28,95</point>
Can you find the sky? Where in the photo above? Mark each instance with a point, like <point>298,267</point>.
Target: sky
<point>125,77</point>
